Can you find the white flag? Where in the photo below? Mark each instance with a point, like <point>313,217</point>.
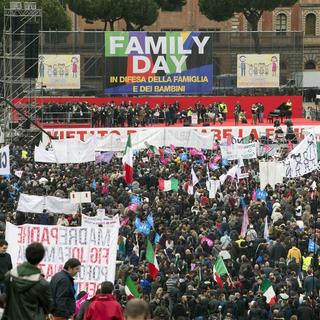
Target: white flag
<point>303,158</point>
<point>195,179</point>
<point>18,173</point>
<point>314,185</point>
<point>266,229</point>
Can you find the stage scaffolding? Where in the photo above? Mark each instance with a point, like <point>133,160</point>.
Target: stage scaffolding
<point>16,39</point>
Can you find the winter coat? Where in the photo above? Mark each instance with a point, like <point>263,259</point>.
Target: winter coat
<point>28,294</point>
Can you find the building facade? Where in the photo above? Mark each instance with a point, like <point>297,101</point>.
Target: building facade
<point>304,16</point>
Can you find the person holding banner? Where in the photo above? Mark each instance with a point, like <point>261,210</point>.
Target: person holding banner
<point>63,291</point>
<point>28,295</point>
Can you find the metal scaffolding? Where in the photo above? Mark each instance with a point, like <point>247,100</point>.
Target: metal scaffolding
<point>16,40</point>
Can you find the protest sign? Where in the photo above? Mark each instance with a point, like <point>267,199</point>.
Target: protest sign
<point>95,247</point>
<point>4,161</point>
<point>87,221</point>
<point>234,151</point>
<point>80,197</point>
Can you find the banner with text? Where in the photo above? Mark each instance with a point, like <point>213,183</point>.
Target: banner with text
<point>258,70</point>
<point>95,247</point>
<point>234,151</point>
<point>158,63</point>
<point>58,71</point>
<point>5,161</point>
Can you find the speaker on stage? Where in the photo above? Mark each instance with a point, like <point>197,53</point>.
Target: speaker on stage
<point>31,50</point>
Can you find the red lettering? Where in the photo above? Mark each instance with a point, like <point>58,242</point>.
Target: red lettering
<point>81,134</point>
<point>54,234</point>
<point>61,134</point>
<point>204,130</point>
<point>131,131</point>
<point>21,235</point>
<point>255,133</point>
<point>227,133</point>
<point>240,133</point>
<point>93,255</point>
<point>103,132</point>
<point>269,132</point>
<point>115,132</point>
<point>70,134</point>
<point>35,234</point>
<point>45,236</point>
<point>217,134</point>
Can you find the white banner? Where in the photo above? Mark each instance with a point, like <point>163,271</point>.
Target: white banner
<point>270,173</point>
<point>234,151</point>
<point>67,151</point>
<point>4,161</point>
<point>95,247</point>
<point>303,158</point>
<point>219,133</point>
<point>80,197</point>
<point>36,204</point>
<point>97,220</point>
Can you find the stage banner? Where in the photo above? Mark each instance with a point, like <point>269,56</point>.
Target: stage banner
<point>158,63</point>
<point>258,70</point>
<point>59,71</point>
<point>95,247</point>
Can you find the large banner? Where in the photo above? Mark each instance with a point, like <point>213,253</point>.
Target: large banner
<point>95,247</point>
<point>258,70</point>
<point>237,150</point>
<point>303,158</point>
<point>58,71</point>
<point>158,63</point>
<point>36,204</point>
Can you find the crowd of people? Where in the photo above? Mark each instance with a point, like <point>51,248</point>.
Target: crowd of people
<point>134,115</point>
<point>190,232</point>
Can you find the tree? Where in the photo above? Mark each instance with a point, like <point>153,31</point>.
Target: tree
<point>252,10</point>
<point>171,5</point>
<point>139,13</point>
<point>108,11</point>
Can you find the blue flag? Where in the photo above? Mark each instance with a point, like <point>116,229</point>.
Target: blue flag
<point>150,220</point>
<point>135,199</point>
<point>94,184</point>
<point>261,194</point>
<point>312,247</point>
<point>157,238</point>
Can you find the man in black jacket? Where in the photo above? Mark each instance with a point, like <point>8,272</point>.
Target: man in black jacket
<point>62,287</point>
<point>28,295</point>
<point>5,263</point>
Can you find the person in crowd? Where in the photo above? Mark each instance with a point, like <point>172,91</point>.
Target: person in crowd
<point>28,294</point>
<point>136,309</point>
<point>104,306</point>
<point>5,263</point>
<point>63,290</point>
<point>236,113</point>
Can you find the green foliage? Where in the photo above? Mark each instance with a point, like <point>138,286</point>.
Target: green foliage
<point>139,13</point>
<point>171,5</point>
<point>252,9</point>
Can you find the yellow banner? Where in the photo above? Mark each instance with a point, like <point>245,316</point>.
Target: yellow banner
<point>59,71</point>
<point>258,70</point>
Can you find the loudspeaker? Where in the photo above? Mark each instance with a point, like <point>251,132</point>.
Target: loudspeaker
<point>31,50</point>
<point>186,124</point>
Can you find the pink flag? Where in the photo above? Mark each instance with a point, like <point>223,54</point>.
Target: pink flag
<point>254,195</point>
<point>216,158</point>
<point>172,147</point>
<point>125,221</point>
<point>133,207</point>
<point>215,147</point>
<point>245,223</point>
<point>209,242</point>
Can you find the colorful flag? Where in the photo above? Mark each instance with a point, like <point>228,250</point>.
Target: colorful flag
<point>168,185</point>
<point>157,238</point>
<point>268,292</point>
<point>131,289</point>
<point>219,269</point>
<point>312,247</point>
<point>127,162</point>
<point>152,259</point>
<point>245,222</point>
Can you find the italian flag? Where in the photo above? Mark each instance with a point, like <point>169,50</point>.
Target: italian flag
<point>268,292</point>
<point>131,289</point>
<point>168,185</point>
<point>127,162</point>
<point>219,269</point>
<point>152,259</point>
